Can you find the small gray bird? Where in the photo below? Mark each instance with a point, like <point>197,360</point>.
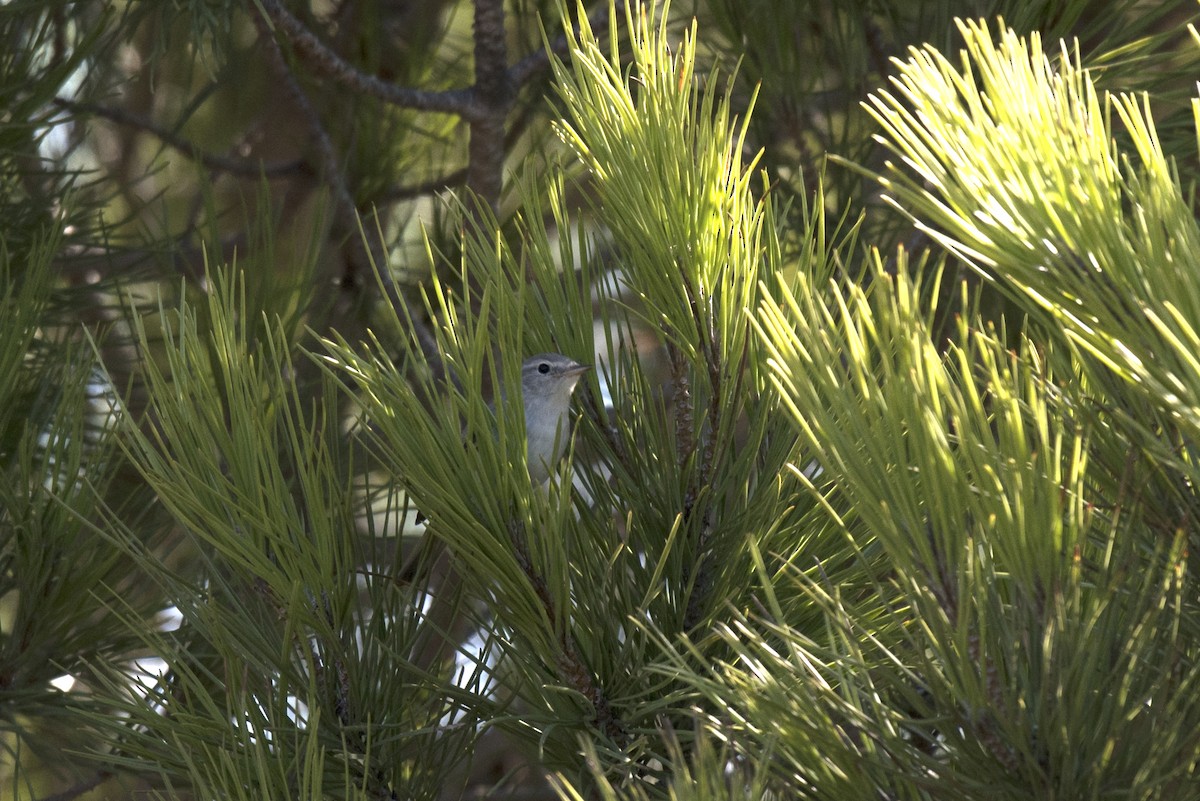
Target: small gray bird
<point>547,382</point>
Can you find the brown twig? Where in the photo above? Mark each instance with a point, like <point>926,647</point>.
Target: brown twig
<point>83,788</point>
<point>685,444</point>
<point>365,256</point>
<point>87,264</point>
<point>682,405</point>
<point>331,173</point>
<point>211,161</point>
<point>569,663</point>
<point>535,62</point>
<point>326,62</point>
<point>485,106</point>
<point>493,94</point>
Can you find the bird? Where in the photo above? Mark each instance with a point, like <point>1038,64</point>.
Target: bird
<point>547,382</point>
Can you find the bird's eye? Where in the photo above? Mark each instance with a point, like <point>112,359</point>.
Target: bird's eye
<point>543,368</point>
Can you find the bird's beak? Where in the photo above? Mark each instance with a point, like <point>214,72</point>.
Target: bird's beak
<point>577,370</point>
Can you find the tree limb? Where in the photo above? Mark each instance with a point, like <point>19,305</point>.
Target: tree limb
<point>493,96</point>
<point>328,63</point>
<point>211,161</point>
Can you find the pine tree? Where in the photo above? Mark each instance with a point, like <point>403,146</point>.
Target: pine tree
<point>883,486</point>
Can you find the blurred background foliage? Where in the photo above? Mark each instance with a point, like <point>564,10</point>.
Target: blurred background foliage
<point>883,486</point>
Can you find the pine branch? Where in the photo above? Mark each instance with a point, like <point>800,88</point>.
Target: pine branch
<point>485,106</point>
<point>539,61</point>
<point>364,257</point>
<point>570,665</point>
<point>316,54</point>
<point>220,164</point>
<point>82,788</point>
<point>493,94</point>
